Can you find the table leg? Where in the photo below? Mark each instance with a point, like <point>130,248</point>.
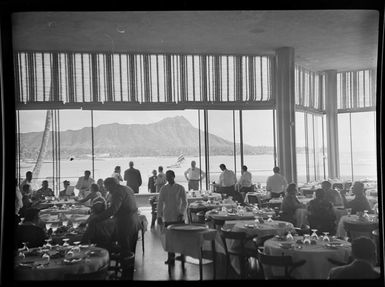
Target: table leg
<point>200,266</point>
<point>214,257</point>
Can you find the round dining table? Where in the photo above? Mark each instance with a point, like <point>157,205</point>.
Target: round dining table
<point>317,265</point>
<point>354,219</point>
<point>88,259</point>
<point>68,209</point>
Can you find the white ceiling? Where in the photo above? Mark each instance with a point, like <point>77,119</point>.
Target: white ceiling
<point>322,39</point>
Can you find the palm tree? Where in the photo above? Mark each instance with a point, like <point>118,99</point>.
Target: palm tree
<point>43,147</point>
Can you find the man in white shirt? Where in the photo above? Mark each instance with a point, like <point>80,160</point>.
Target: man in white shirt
<point>245,182</point>
<point>84,184</point>
<point>27,181</point>
<point>172,206</point>
<point>117,174</point>
<point>276,184</point>
<point>227,181</point>
<point>160,180</point>
<point>193,176</point>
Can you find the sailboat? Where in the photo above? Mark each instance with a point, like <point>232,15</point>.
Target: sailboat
<point>178,163</point>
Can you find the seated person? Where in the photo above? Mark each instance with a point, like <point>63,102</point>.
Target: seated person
<point>290,203</point>
<point>30,231</point>
<point>331,195</point>
<point>100,233</point>
<point>245,184</point>
<point>102,188</point>
<point>321,214</point>
<point>44,191</point>
<point>87,201</point>
<point>364,255</point>
<point>360,202</point>
<point>67,192</point>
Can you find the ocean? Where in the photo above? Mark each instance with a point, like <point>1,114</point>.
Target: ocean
<point>260,167</point>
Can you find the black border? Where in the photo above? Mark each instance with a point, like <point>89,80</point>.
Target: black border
<point>7,106</point>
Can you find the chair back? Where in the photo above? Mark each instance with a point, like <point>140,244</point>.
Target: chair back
<point>355,230</point>
<point>337,262</point>
<point>253,199</point>
<point>228,234</point>
<point>284,261</point>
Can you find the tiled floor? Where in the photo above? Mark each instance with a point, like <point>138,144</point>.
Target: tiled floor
<point>150,265</point>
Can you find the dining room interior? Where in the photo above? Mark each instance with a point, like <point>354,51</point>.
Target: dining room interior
<point>195,145</point>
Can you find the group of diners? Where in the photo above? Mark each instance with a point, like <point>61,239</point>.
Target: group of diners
<point>113,222</point>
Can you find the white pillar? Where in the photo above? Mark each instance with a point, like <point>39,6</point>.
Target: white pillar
<point>332,123</point>
<point>285,105</point>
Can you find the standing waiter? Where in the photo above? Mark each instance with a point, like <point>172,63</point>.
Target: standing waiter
<point>133,178</point>
<point>124,210</point>
<point>193,176</point>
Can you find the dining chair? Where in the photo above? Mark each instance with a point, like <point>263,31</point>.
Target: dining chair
<point>355,230</point>
<point>283,261</point>
<point>218,223</point>
<point>337,262</point>
<point>243,253</point>
<point>141,237</point>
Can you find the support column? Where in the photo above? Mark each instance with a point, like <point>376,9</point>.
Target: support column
<point>285,105</point>
<point>332,123</point>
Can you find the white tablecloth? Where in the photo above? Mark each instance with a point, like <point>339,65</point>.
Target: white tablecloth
<point>202,196</point>
<point>57,270</point>
<point>341,232</point>
<point>317,265</point>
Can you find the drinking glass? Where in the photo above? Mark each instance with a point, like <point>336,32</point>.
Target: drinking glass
<point>21,254</point>
<point>256,215</point>
<point>48,245</point>
<point>25,247</point>
<point>314,235</point>
<point>289,236</point>
<point>48,226</point>
<point>65,242</point>
<point>366,215</point>
<point>269,218</point>
<point>77,247</point>
<point>306,239</point>
<point>75,224</point>
<point>21,220</point>
<point>54,228</point>
<point>349,210</point>
<point>46,257</point>
<point>65,222</point>
<point>326,237</point>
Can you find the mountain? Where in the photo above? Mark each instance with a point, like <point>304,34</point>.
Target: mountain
<point>168,137</point>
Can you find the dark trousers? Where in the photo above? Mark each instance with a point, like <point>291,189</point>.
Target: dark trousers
<point>171,255</point>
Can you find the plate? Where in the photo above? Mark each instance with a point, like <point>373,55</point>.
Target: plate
<point>249,225</point>
<point>189,227</point>
<point>72,260</point>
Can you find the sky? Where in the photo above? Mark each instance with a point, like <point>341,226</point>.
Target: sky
<point>257,125</point>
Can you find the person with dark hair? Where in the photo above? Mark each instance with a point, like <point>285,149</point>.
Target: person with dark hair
<point>172,206</point>
<point>160,179</point>
<point>321,215</point>
<point>101,233</point>
<point>87,201</point>
<point>117,174</point>
<point>276,184</point>
<point>227,181</point>
<point>360,202</point>
<point>44,191</point>
<point>84,184</point>
<point>125,212</point>
<point>30,231</point>
<point>27,181</point>
<point>133,178</point>
<point>245,183</point>
<point>331,195</point>
<point>67,192</point>
<point>290,203</point>
<point>364,255</point>
<point>151,182</point>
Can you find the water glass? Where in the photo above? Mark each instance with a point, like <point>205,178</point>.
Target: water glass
<point>65,222</point>
<point>269,218</point>
<point>46,257</point>
<point>349,211</point>
<point>326,237</point>
<point>65,242</point>
<point>75,224</point>
<point>314,235</point>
